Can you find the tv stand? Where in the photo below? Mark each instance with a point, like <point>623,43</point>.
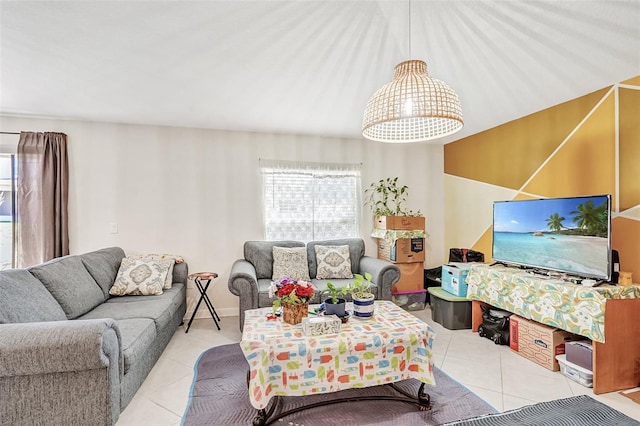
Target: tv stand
<point>615,336</point>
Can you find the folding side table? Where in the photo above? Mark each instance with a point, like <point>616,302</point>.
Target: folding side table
<point>202,281</point>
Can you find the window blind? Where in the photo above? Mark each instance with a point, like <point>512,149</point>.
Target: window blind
<point>310,201</point>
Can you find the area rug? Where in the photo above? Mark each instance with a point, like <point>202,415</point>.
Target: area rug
<point>575,411</point>
<point>219,396</point>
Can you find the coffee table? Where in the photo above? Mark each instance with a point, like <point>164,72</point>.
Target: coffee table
<point>392,346</point>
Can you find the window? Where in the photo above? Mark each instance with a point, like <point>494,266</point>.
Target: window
<point>7,212</point>
<point>310,201</point>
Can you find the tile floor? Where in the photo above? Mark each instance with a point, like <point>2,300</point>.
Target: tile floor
<point>493,372</point>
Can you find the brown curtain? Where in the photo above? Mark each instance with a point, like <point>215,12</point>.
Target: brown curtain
<point>42,194</point>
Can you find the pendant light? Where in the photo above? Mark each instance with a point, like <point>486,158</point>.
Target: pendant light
<point>413,107</point>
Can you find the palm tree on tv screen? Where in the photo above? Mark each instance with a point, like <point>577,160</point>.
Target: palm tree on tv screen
<point>554,222</point>
<point>591,220</point>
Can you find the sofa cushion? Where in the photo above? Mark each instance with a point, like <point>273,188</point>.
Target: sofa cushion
<point>260,255</point>
<point>333,262</point>
<point>172,258</point>
<point>103,266</point>
<point>158,308</point>
<point>70,283</point>
<point>290,262</point>
<point>25,299</point>
<point>356,251</point>
<point>137,335</point>
<point>142,277</point>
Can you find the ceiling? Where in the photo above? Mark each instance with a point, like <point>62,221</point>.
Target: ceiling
<point>305,67</point>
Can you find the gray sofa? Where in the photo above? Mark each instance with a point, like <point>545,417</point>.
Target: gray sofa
<point>70,354</point>
<point>250,277</point>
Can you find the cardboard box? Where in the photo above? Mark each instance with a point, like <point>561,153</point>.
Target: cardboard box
<point>538,342</point>
<point>454,276</point>
<point>411,277</point>
<point>399,222</point>
<point>405,250</point>
<point>580,353</point>
<point>410,300</point>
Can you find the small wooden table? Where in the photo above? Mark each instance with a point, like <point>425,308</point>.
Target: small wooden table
<point>392,346</point>
<point>199,278</point>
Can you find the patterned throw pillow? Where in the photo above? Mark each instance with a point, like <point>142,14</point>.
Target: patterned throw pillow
<point>140,277</point>
<point>333,262</point>
<point>290,263</point>
<point>168,282</point>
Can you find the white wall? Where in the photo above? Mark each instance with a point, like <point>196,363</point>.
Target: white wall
<point>197,193</point>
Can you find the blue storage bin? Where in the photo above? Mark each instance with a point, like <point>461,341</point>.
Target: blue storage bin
<point>454,276</point>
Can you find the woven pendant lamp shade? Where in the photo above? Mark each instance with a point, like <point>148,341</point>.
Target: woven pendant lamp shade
<point>413,107</point>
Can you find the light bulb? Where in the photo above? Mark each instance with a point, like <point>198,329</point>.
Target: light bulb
<point>408,107</point>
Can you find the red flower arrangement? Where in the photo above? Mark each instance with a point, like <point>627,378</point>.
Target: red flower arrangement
<point>295,292</point>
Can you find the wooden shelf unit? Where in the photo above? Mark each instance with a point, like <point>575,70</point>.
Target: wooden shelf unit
<point>616,362</point>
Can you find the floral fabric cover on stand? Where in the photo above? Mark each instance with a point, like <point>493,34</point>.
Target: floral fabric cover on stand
<point>393,345</point>
<point>571,307</point>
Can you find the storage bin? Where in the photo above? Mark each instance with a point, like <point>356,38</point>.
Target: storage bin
<point>454,276</point>
<point>580,353</point>
<point>452,312</point>
<point>575,372</point>
<point>410,300</point>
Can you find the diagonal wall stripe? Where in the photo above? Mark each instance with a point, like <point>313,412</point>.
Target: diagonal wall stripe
<point>585,163</point>
<point>509,154</point>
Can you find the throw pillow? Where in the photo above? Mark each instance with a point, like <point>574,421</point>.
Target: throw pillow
<point>333,262</point>
<point>168,282</point>
<point>140,277</point>
<point>290,263</point>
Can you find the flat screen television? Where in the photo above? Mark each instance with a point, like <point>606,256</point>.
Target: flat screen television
<point>571,235</point>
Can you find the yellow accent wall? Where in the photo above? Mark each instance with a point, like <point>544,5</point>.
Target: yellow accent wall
<point>523,144</point>
<point>587,146</point>
<point>585,162</point>
<point>629,148</point>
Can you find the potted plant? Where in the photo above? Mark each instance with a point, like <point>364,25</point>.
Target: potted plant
<point>385,199</point>
<point>335,305</point>
<point>363,298</point>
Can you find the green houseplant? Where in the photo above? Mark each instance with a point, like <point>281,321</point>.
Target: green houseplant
<point>335,305</point>
<point>363,298</point>
<point>385,198</point>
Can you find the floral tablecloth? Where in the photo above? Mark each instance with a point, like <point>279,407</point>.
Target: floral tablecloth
<point>393,345</point>
<point>575,308</point>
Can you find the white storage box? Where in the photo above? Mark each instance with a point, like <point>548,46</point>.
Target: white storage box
<point>575,372</point>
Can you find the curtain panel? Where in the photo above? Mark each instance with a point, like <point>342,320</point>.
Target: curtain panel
<point>42,197</point>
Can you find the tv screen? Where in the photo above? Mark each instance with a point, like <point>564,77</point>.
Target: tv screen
<point>570,235</point>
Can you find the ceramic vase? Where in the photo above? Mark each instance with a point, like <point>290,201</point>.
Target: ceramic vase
<point>293,314</point>
<point>363,308</point>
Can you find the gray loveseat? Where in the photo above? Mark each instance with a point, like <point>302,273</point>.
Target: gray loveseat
<point>250,277</point>
<point>70,354</point>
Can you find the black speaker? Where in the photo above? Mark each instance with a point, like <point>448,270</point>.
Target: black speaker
<point>615,266</point>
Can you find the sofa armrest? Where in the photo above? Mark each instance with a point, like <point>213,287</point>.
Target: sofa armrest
<point>243,282</point>
<point>58,346</point>
<point>60,372</point>
<point>384,274</point>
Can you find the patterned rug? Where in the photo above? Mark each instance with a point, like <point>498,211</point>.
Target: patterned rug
<point>219,397</point>
<point>575,411</point>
